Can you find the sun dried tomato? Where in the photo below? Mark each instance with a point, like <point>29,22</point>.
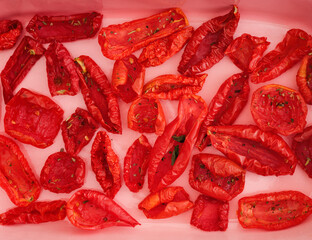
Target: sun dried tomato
<point>118,41</point>
<point>37,212</point>
<point>64,28</point>
<point>61,70</point>
<point>32,118</point>
<point>274,211</point>
<point>62,173</point>
<point>24,57</point>
<point>264,153</point>
<point>105,164</point>
<point>165,203</point>
<point>16,177</point>
<point>89,209</point>
<point>279,109</point>
<point>296,44</point>
<point>98,94</point>
<point>10,30</point>
<point>210,214</point>
<point>159,51</point>
<point>216,176</point>
<point>304,78</point>
<point>128,78</point>
<point>225,106</point>
<point>146,115</point>
<point>171,152</point>
<point>208,43</point>
<point>172,86</point>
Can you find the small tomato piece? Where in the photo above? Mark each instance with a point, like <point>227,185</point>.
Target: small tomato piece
<point>10,30</point>
<point>304,78</point>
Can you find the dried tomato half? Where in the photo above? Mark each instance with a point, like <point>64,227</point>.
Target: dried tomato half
<point>89,209</point>
<point>32,118</point>
<point>170,86</point>
<point>16,176</point>
<point>98,94</point>
<point>61,70</point>
<point>246,51</point>
<point>210,214</point>
<point>146,115</point>
<point>118,41</point>
<point>295,45</point>
<point>279,109</point>
<point>159,51</point>
<point>136,163</point>
<point>225,106</point>
<point>78,130</point>
<point>264,153</point>
<point>62,173</point>
<point>37,212</point>
<point>64,28</point>
<point>10,30</point>
<point>274,211</point>
<point>105,164</point>
<point>170,154</point>
<point>304,78</point>
<point>165,203</point>
<point>216,176</point>
<point>19,64</point>
<point>128,78</point>
<point>208,43</point>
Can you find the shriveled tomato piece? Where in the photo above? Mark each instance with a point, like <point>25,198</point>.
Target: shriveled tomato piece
<point>304,78</point>
<point>10,30</point>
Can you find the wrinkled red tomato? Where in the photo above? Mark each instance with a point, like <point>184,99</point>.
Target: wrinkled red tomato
<point>10,30</point>
<point>304,78</point>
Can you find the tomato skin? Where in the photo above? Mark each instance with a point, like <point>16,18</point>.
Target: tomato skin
<point>165,203</point>
<point>208,43</point>
<point>16,176</point>
<point>304,78</point>
<point>10,30</point>
<point>68,28</point>
<point>216,176</point>
<point>118,41</point>
<point>36,212</point>
<point>279,109</point>
<point>296,44</point>
<point>274,211</point>
<point>264,153</point>
<point>105,164</point>
<point>91,210</point>
<point>33,118</point>
<point>19,64</point>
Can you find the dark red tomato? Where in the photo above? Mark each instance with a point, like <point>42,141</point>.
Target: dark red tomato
<point>62,173</point>
<point>146,115</point>
<point>296,44</point>
<point>78,130</point>
<point>302,147</point>
<point>304,78</point>
<point>279,109</point>
<point>136,163</point>
<point>89,209</point>
<point>98,94</point>
<point>159,51</point>
<point>216,176</point>
<point>62,71</point>
<point>118,41</point>
<point>10,30</point>
<point>264,153</point>
<point>165,203</point>
<point>208,43</point>
<point>64,28</point>
<point>105,164</point>
<point>37,212</point>
<point>225,106</point>
<point>274,211</point>
<point>128,78</point>
<point>173,87</point>
<point>19,64</point>
<point>246,51</point>
<point>210,214</point>
<point>16,177</point>
<point>32,118</point>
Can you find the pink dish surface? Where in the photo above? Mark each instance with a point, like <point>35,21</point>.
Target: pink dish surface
<point>271,19</point>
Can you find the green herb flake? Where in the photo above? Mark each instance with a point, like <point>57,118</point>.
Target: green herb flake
<point>175,154</point>
<point>308,160</point>
<point>85,201</point>
<point>180,139</point>
<point>73,159</point>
